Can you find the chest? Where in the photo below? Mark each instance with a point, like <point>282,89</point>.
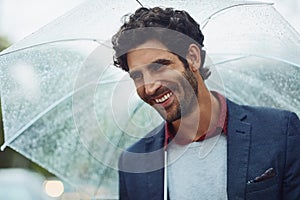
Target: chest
<point>199,169</point>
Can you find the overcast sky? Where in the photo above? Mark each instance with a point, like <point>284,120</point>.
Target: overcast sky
<point>20,18</point>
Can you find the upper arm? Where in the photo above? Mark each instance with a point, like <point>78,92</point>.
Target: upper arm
<point>123,194</point>
<point>291,182</point>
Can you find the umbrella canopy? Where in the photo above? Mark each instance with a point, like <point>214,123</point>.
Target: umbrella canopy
<point>68,109</point>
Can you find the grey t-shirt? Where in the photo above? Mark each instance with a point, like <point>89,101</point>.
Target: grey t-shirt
<point>198,170</point>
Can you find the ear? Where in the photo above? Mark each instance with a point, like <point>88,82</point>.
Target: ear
<point>193,57</point>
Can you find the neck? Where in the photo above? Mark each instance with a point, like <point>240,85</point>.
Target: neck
<point>203,118</point>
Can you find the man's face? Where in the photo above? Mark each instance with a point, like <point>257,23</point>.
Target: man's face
<point>162,81</point>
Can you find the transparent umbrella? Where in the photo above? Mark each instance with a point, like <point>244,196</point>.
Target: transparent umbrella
<point>68,109</point>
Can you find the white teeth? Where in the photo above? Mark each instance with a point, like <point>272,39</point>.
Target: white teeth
<point>164,98</point>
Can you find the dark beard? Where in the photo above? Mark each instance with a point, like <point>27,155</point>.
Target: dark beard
<point>189,76</point>
<point>186,107</point>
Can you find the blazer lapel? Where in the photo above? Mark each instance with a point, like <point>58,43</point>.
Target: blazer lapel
<point>238,143</point>
<point>155,176</point>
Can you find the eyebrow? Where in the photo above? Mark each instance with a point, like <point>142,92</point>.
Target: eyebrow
<point>160,61</point>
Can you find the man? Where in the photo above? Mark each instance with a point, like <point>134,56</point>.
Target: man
<point>249,152</point>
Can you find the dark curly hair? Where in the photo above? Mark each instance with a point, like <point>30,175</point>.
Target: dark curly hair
<point>176,29</point>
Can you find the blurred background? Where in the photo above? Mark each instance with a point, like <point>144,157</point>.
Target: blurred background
<point>19,19</point>
<point>19,177</point>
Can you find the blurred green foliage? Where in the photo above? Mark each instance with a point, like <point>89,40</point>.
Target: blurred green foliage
<point>4,43</point>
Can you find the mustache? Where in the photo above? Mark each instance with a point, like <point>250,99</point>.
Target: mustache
<point>159,92</point>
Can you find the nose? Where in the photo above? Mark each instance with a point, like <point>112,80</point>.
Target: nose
<point>151,88</point>
<point>151,84</point>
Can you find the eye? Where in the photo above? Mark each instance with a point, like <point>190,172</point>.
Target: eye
<point>136,76</point>
<point>156,66</point>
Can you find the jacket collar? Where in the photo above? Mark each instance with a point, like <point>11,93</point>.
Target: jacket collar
<point>155,179</point>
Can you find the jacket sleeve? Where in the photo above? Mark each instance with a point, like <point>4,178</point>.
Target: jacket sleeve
<point>123,194</point>
<point>291,182</point>
<point>122,187</point>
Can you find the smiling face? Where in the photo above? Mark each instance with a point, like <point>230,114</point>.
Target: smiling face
<point>162,80</point>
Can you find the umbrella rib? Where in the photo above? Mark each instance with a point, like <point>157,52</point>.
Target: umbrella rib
<point>56,41</point>
<point>20,131</point>
<point>254,55</point>
<point>205,21</point>
<point>229,60</point>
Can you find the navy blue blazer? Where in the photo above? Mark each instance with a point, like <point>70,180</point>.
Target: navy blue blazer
<point>258,139</point>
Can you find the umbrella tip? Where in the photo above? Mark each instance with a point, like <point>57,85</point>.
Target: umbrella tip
<point>2,148</point>
<point>140,3</point>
